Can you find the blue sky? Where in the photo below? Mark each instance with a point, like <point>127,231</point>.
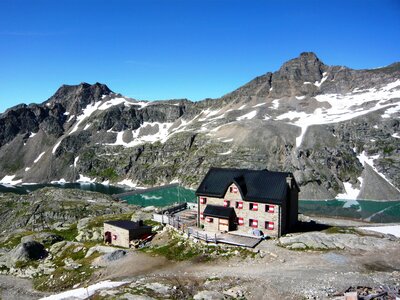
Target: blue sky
<point>162,49</point>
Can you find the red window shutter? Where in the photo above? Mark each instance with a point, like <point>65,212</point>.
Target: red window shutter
<point>254,223</point>
<point>201,216</point>
<point>114,237</point>
<point>271,225</point>
<point>203,200</point>
<point>255,206</point>
<point>271,209</point>
<point>240,221</point>
<point>240,205</point>
<point>234,189</point>
<point>226,203</point>
<point>209,220</point>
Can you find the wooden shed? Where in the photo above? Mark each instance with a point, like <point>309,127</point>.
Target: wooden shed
<point>121,232</point>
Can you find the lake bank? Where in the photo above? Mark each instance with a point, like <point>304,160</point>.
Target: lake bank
<point>366,210</point>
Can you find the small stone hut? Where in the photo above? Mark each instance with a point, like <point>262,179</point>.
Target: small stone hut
<point>121,232</point>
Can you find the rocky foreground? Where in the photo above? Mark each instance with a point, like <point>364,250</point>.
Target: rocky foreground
<point>57,246</point>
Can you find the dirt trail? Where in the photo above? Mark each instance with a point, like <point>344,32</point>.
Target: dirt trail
<point>12,288</point>
<point>281,273</point>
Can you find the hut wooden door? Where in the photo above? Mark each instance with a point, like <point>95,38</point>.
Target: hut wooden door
<point>107,237</point>
<point>223,225</point>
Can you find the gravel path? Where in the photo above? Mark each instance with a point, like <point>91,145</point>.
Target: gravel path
<point>280,273</point>
<point>13,288</point>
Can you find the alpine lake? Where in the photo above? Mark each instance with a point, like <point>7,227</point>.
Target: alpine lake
<point>368,210</point>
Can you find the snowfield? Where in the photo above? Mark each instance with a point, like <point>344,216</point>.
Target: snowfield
<point>84,293</point>
<point>9,180</point>
<point>344,107</point>
<point>247,116</point>
<point>393,229</point>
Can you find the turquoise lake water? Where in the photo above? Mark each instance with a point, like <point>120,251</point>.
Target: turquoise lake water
<point>163,197</point>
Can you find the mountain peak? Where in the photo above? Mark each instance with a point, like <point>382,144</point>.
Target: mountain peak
<point>309,55</point>
<point>76,97</point>
<point>306,62</point>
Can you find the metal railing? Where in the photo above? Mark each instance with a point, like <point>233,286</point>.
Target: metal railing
<point>209,238</point>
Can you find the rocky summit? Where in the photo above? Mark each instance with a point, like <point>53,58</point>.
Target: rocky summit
<point>335,128</point>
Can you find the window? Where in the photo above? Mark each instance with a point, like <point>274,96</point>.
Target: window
<point>253,223</point>
<point>203,200</point>
<point>233,189</point>
<point>227,203</point>
<point>269,225</point>
<point>114,237</point>
<point>209,220</point>
<point>240,221</point>
<point>239,205</point>
<point>270,208</point>
<point>201,216</point>
<point>253,206</point>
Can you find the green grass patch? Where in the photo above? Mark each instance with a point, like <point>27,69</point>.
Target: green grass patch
<point>23,264</point>
<point>108,173</point>
<point>176,249</point>
<point>67,234</point>
<point>62,279</point>
<point>337,229</point>
<point>151,223</point>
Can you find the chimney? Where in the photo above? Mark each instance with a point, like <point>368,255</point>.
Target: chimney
<point>289,181</point>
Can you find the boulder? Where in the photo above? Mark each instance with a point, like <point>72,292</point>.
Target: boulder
<point>325,241</point>
<point>30,250</point>
<point>208,295</point>
<point>115,255</point>
<point>158,288</point>
<point>101,249</point>
<point>83,223</point>
<point>234,292</point>
<point>43,238</point>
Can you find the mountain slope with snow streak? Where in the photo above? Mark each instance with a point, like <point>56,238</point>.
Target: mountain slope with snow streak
<point>308,118</point>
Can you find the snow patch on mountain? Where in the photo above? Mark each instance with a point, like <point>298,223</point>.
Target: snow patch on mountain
<point>208,113</point>
<point>76,161</point>
<point>161,135</point>
<point>318,83</point>
<point>55,147</point>
<point>9,180</point>
<point>86,113</point>
<point>364,159</point>
<point>39,157</point>
<point>248,116</point>
<point>350,192</point>
<point>259,104</point>
<point>275,104</point>
<point>345,107</point>
<point>84,179</point>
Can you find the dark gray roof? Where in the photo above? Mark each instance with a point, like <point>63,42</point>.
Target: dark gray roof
<point>254,185</point>
<point>218,211</point>
<point>126,224</point>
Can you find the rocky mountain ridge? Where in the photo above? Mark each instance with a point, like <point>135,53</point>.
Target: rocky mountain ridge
<point>335,128</point>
